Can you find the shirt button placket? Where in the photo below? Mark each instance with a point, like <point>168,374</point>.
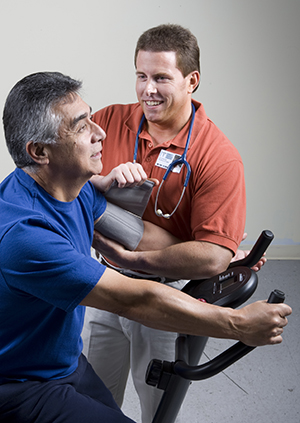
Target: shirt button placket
<point>148,158</point>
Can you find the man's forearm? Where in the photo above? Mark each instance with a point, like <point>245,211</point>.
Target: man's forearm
<point>162,307</point>
<point>187,260</point>
<point>159,307</point>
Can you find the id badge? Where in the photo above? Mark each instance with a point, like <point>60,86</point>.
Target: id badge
<point>165,158</point>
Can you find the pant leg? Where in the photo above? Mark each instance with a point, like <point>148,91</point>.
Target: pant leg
<point>148,344</point>
<point>80,397</point>
<point>110,341</point>
<point>103,337</point>
<point>107,350</point>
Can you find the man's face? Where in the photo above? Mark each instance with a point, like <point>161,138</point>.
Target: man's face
<point>161,89</point>
<point>78,149</point>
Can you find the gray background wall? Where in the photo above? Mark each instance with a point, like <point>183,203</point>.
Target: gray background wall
<point>250,79</point>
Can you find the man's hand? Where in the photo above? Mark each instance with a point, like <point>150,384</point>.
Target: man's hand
<point>261,323</point>
<point>109,249</point>
<point>126,174</point>
<point>240,254</point>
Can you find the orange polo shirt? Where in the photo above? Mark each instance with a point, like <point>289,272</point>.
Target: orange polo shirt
<point>213,208</point>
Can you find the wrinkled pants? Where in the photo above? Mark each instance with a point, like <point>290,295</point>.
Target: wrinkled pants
<point>80,397</point>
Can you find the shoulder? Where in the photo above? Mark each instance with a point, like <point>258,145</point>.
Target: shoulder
<point>18,195</point>
<point>96,200</point>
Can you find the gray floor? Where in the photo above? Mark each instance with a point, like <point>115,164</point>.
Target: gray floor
<point>262,387</point>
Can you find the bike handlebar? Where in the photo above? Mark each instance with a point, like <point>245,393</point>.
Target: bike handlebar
<point>256,252</point>
<point>225,359</point>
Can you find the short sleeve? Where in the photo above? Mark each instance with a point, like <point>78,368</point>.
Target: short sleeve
<point>221,203</point>
<point>38,261</point>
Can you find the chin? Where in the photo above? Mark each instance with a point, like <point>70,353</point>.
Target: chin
<point>99,169</point>
<point>152,117</point>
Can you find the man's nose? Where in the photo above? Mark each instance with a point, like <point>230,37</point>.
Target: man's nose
<point>99,134</point>
<point>151,88</point>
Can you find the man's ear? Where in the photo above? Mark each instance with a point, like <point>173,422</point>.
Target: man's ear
<point>38,152</point>
<point>194,81</point>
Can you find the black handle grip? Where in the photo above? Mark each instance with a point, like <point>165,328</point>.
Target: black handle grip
<point>265,239</point>
<point>276,297</point>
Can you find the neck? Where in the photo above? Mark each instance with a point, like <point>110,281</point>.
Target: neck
<point>62,189</point>
<point>166,131</point>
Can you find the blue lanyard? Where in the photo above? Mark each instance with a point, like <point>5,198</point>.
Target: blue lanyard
<point>181,160</point>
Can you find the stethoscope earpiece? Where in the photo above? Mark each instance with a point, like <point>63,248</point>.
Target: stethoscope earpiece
<point>182,160</point>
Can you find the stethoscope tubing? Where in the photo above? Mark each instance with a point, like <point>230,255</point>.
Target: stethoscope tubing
<point>181,160</point>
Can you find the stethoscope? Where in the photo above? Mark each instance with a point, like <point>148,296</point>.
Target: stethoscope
<point>180,161</point>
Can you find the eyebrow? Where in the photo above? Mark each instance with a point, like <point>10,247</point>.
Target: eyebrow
<point>158,74</point>
<point>77,119</point>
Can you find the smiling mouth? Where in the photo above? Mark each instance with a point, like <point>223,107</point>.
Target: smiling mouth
<point>97,155</point>
<point>153,103</point>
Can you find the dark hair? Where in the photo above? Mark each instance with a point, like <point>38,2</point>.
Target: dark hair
<point>171,37</point>
<point>29,112</point>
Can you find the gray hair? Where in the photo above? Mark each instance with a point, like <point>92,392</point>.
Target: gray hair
<point>29,112</point>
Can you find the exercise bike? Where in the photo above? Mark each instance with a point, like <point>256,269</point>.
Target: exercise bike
<point>229,289</point>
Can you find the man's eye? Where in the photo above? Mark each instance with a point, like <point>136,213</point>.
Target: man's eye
<point>82,128</point>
